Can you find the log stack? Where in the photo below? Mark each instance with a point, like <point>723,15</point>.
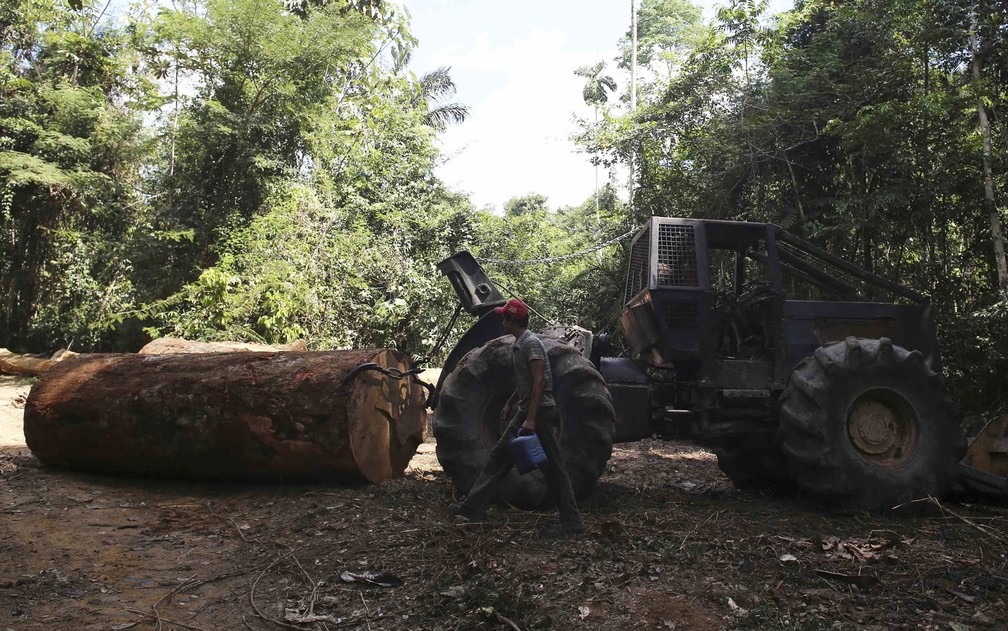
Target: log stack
<point>286,416</point>
<point>164,345</point>
<point>30,365</point>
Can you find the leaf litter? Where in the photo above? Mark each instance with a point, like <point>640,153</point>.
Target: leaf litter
<point>656,556</point>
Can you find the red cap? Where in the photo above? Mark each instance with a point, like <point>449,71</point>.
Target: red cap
<point>514,308</point>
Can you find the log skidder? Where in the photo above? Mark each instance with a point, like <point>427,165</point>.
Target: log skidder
<point>865,424</point>
<point>733,330</point>
<point>467,420</point>
<point>728,337</point>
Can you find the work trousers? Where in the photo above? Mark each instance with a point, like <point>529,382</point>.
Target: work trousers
<point>500,463</point>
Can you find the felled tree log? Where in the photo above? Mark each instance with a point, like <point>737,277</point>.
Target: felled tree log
<point>248,416</point>
<point>29,365</point>
<point>164,345</point>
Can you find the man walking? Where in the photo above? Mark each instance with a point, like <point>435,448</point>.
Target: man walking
<point>530,408</point>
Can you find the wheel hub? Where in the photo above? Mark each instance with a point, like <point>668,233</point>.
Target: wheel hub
<point>883,428</point>
<point>873,427</point>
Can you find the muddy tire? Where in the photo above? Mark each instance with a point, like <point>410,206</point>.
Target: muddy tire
<point>466,421</point>
<point>866,425</point>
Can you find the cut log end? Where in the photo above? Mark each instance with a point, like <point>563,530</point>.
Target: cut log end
<point>388,420</point>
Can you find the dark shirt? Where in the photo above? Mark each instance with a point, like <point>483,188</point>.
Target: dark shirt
<point>526,348</point>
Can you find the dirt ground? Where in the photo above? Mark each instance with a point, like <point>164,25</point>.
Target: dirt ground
<point>671,545</point>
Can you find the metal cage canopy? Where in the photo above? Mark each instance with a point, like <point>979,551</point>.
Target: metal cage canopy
<point>677,260</point>
<point>639,268</point>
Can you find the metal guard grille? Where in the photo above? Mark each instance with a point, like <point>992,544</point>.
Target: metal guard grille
<point>677,264</point>
<point>681,316</point>
<point>638,270</point>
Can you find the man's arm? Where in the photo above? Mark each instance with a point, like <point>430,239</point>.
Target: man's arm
<point>506,411</point>
<point>537,368</point>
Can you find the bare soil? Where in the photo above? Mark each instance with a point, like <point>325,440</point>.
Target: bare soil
<point>671,545</point>
<point>13,393</point>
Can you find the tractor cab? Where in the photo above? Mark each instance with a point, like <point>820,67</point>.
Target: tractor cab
<point>702,298</point>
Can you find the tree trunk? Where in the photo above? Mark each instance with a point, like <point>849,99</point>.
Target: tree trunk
<point>14,364</point>
<point>633,102</point>
<point>797,193</point>
<point>993,217</point>
<point>284,416</point>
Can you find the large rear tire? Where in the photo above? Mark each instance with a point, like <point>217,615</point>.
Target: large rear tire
<point>866,425</point>
<point>467,425</point>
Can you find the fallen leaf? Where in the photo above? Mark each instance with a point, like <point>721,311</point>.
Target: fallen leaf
<point>861,581</point>
<point>296,617</point>
<point>966,597</point>
<point>735,609</point>
<point>613,531</point>
<point>827,593</point>
<point>882,539</point>
<point>453,591</point>
<point>381,579</point>
<point>801,543</point>
<point>861,552</point>
<point>980,618</point>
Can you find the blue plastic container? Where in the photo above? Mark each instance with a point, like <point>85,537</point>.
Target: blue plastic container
<point>526,453</point>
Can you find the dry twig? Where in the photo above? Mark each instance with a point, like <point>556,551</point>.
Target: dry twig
<point>986,530</point>
<point>508,621</point>
<point>160,620</point>
<point>169,595</point>
<point>252,594</point>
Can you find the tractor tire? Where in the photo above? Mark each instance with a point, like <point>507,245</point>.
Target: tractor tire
<point>866,425</point>
<point>467,421</point>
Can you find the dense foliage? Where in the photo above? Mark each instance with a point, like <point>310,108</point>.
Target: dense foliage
<point>854,125</point>
<point>248,170</point>
<point>71,143</point>
<point>264,170</point>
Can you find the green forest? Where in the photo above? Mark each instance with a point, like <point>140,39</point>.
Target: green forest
<point>260,170</point>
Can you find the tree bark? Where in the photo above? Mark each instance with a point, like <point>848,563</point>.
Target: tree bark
<point>993,217</point>
<point>633,101</point>
<point>164,345</point>
<point>284,416</point>
<point>14,364</point>
<point>797,193</point>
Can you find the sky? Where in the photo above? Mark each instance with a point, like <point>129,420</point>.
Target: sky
<point>513,64</point>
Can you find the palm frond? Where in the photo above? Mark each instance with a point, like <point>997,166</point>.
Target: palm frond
<point>590,71</point>
<point>443,116</point>
<point>598,85</point>
<point>437,84</point>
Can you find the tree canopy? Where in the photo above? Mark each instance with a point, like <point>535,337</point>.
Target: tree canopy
<point>853,125</point>
<point>266,170</point>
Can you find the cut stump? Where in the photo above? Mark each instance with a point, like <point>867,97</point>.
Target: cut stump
<point>284,416</point>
